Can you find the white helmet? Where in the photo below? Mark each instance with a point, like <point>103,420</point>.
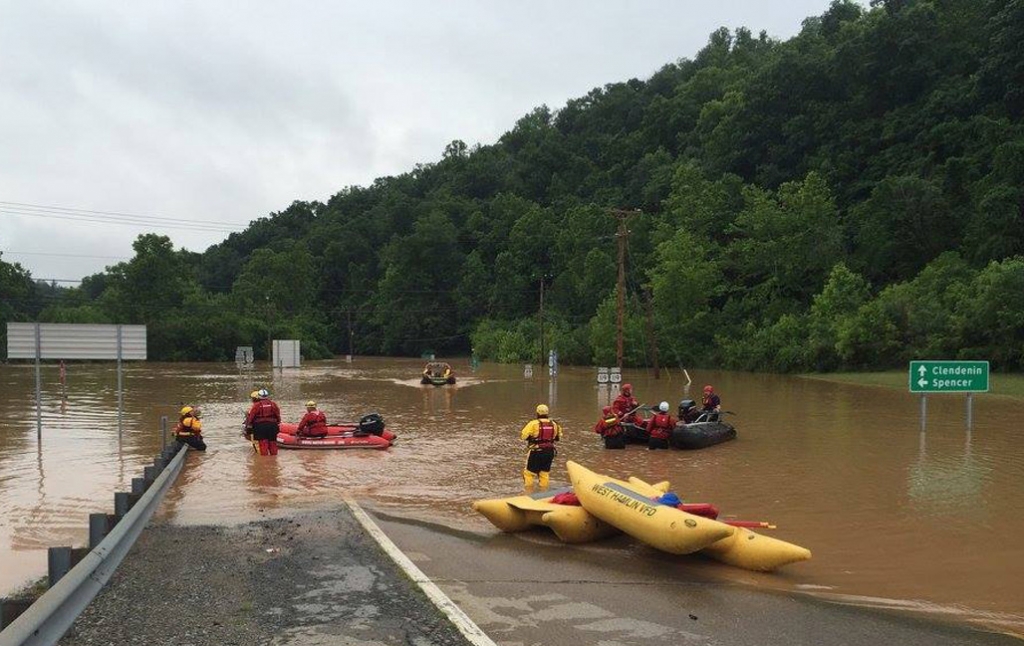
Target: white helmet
<point>263,393</point>
<point>663,407</point>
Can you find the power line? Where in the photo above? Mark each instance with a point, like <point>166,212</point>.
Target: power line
<point>61,255</point>
<point>112,217</point>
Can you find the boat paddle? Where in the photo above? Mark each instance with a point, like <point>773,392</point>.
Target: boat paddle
<point>643,406</point>
<point>252,439</point>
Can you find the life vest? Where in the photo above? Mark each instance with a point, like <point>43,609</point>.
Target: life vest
<point>660,426</point>
<point>545,438</point>
<point>187,427</point>
<point>710,401</point>
<point>265,413</point>
<point>611,427</point>
<point>314,420</point>
<point>623,405</point>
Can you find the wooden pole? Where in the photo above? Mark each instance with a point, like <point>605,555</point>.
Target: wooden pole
<point>540,315</point>
<point>651,333</point>
<point>348,312</point>
<point>620,294</point>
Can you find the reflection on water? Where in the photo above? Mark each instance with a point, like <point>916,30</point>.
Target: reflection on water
<point>895,517</point>
<point>948,484</point>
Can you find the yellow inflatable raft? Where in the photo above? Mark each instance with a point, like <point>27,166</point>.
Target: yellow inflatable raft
<point>571,523</point>
<point>625,506</point>
<point>741,548</point>
<point>753,551</point>
<point>744,548</point>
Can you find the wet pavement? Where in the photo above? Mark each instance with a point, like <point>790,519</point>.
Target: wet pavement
<point>319,577</point>
<point>529,588</point>
<point>310,579</point>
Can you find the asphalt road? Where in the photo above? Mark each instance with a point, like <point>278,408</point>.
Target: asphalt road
<point>531,589</point>
<point>319,578</point>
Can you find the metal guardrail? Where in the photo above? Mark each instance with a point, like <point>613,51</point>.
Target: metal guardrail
<point>46,620</point>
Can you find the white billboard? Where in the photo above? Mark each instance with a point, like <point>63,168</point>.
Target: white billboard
<point>75,341</point>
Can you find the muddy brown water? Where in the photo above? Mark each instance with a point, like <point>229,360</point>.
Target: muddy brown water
<point>922,522</point>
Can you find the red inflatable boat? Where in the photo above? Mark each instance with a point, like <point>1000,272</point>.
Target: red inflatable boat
<point>367,433</point>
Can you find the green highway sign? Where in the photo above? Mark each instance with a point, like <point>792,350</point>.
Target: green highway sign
<point>949,376</point>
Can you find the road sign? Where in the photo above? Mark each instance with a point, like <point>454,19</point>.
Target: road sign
<point>948,376</point>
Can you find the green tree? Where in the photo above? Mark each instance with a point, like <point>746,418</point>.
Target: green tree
<point>831,312</point>
<point>686,282</point>
<point>787,242</point>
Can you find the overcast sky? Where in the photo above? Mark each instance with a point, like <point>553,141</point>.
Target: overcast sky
<point>194,118</point>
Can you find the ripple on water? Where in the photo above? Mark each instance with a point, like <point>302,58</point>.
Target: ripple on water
<point>840,469</point>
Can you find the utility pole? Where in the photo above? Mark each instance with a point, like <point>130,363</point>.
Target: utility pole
<point>651,333</point>
<point>620,309</point>
<point>348,312</point>
<point>541,316</point>
<point>270,338</point>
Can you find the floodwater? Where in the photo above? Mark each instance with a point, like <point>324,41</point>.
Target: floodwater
<point>925,522</point>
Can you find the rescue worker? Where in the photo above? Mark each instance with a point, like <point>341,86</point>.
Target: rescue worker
<point>688,412</point>
<point>609,428</point>
<point>189,430</point>
<point>711,404</point>
<point>254,397</point>
<point>659,428</point>
<point>263,421</point>
<point>625,405</point>
<point>540,435</point>
<point>313,423</point>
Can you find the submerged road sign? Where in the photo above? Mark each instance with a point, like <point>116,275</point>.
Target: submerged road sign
<point>948,376</point>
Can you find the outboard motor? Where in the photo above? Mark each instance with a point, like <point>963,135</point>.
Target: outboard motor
<point>372,424</point>
<point>686,410</point>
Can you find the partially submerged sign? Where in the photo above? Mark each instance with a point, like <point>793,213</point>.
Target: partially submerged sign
<point>948,376</point>
<point>75,341</point>
<point>286,353</point>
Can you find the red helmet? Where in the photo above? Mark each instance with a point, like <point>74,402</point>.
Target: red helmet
<point>708,389</point>
<point>627,389</point>
<point>607,410</point>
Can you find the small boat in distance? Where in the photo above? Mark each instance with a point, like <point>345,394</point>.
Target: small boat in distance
<point>437,373</point>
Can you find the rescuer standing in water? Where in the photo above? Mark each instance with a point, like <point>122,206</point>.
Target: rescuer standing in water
<point>263,421</point>
<point>540,435</point>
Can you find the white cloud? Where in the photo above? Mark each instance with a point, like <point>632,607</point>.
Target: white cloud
<point>227,111</point>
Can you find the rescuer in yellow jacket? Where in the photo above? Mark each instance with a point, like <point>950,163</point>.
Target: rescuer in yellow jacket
<point>540,435</point>
<point>189,430</point>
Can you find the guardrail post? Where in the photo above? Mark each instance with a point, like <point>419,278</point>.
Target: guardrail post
<point>138,486</point>
<point>77,554</point>
<point>163,431</point>
<point>59,563</point>
<point>121,504</point>
<point>99,527</point>
<point>149,475</point>
<point>11,609</point>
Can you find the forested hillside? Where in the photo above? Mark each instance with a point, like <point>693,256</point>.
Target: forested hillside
<point>850,198</point>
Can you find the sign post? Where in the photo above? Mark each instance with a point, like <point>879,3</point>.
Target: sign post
<point>927,377</point>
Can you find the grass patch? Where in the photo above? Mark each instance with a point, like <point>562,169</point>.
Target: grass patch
<point>32,589</point>
<point>999,384</point>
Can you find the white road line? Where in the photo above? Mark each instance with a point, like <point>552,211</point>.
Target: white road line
<point>465,625</point>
